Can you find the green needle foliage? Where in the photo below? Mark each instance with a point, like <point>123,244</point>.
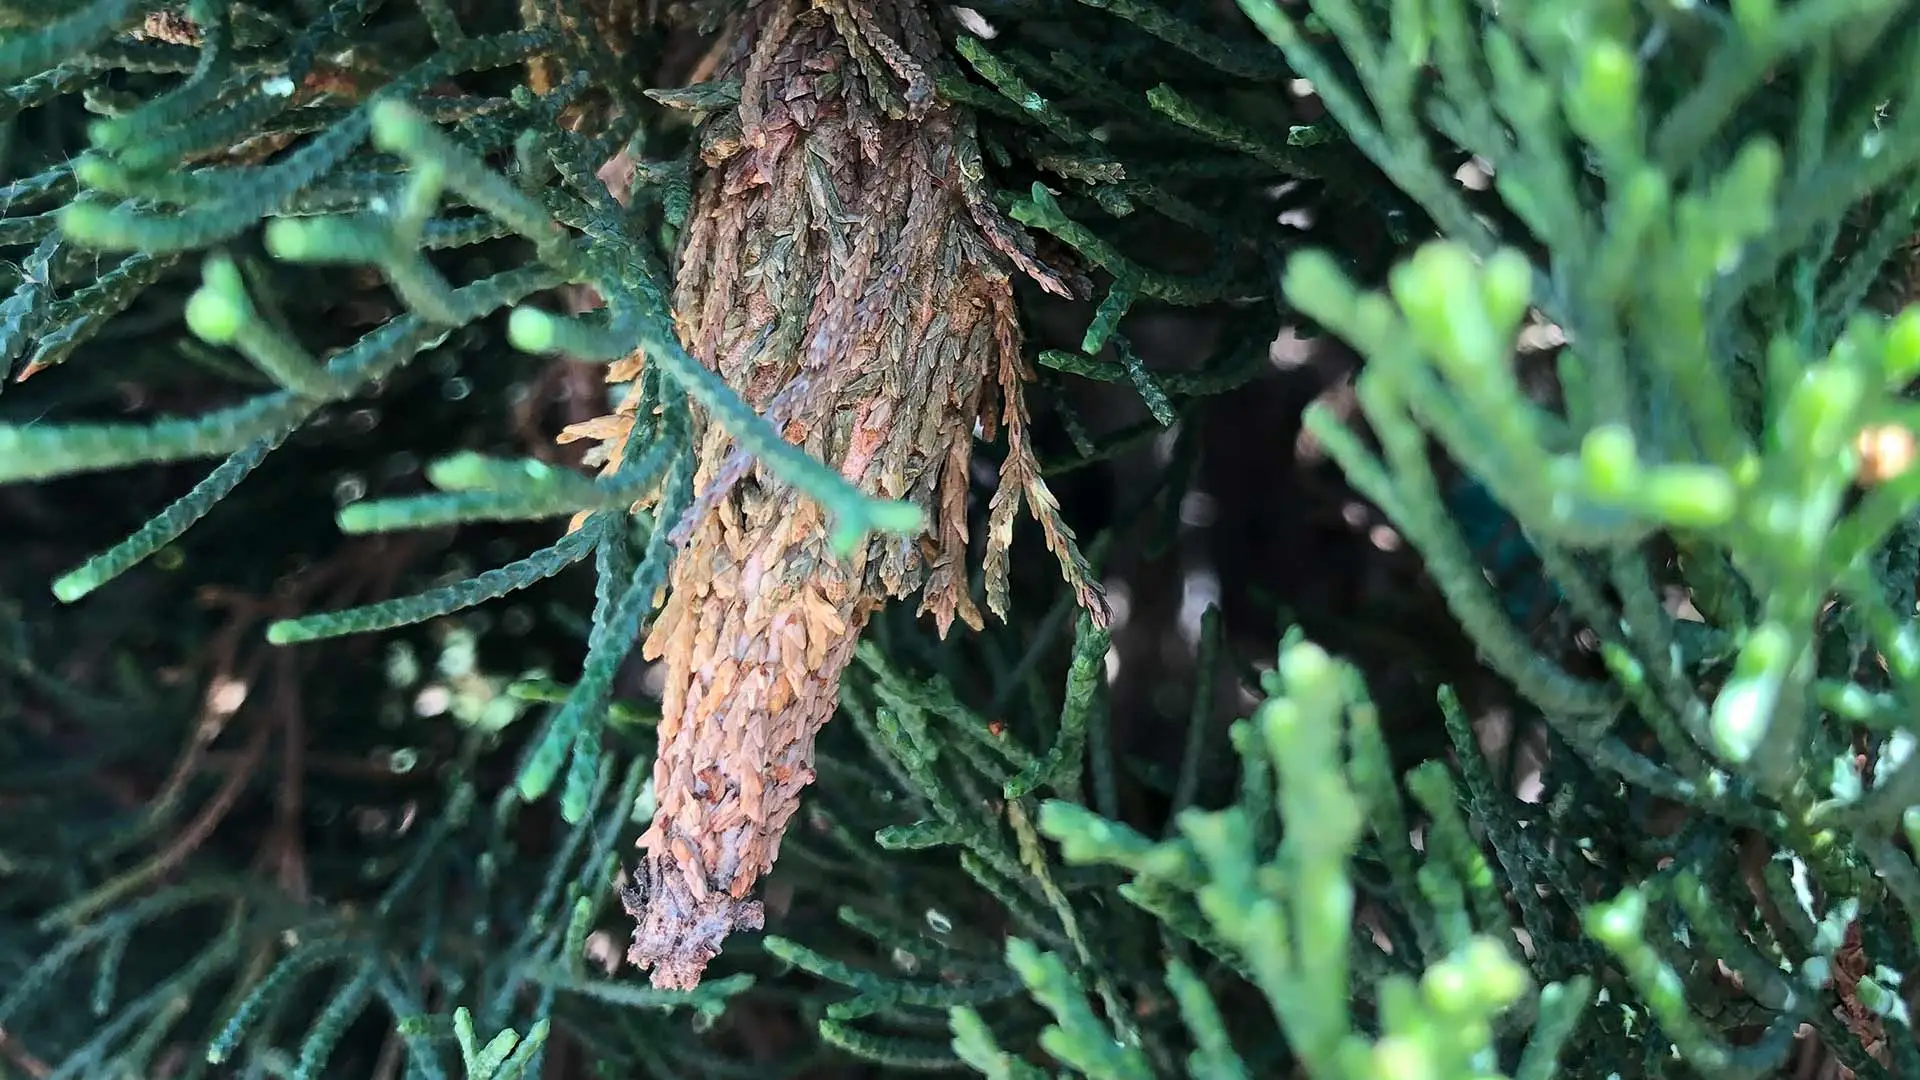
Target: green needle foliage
<point>302,264</point>
<point>1284,918</point>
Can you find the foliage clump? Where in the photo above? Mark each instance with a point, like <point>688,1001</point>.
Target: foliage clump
<point>336,247</point>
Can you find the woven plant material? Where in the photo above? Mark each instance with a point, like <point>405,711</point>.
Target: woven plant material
<point>846,273</point>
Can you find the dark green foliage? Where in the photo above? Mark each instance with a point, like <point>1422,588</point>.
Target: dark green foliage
<point>330,244</point>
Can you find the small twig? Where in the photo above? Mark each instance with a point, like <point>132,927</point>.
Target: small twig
<point>184,843</point>
<point>22,1058</point>
<point>288,804</point>
<point>387,1065</point>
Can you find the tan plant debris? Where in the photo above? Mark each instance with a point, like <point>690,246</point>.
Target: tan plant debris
<point>844,269</point>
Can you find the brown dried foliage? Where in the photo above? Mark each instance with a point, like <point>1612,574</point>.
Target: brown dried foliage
<point>611,23</point>
<point>845,271</point>
<point>1863,1022</point>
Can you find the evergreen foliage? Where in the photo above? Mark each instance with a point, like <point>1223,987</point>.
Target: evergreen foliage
<point>287,790</point>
